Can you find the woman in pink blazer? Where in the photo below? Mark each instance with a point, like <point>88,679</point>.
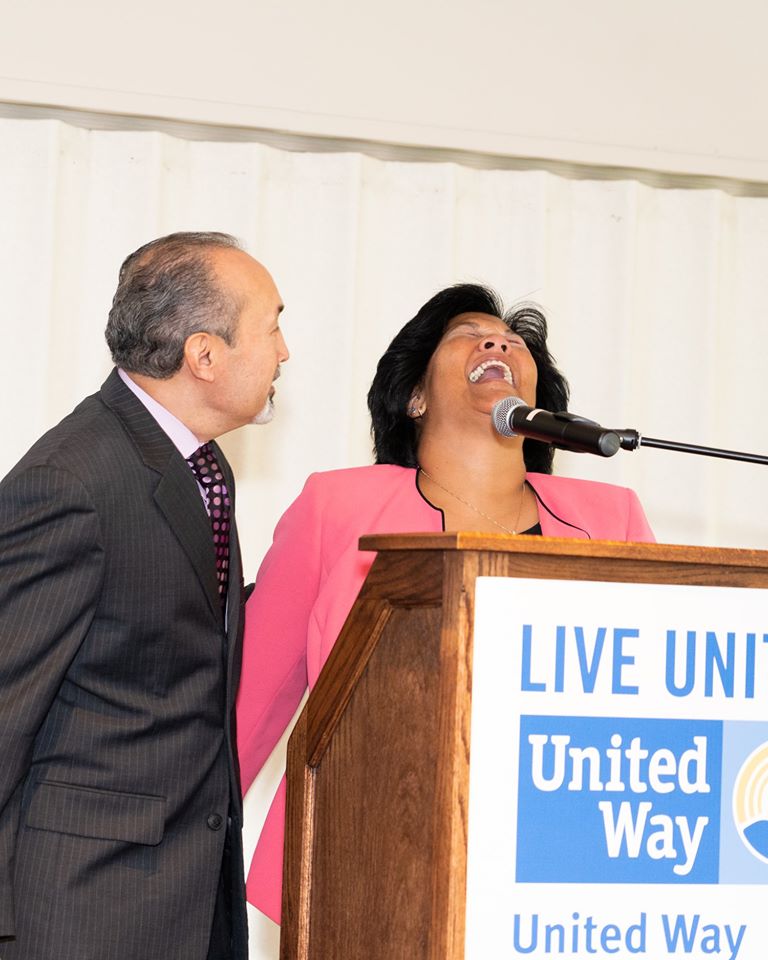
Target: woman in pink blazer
<point>440,466</point>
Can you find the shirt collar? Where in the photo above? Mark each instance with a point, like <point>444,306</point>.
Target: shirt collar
<point>180,435</point>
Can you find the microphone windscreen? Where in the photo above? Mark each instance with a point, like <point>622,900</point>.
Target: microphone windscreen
<point>500,413</point>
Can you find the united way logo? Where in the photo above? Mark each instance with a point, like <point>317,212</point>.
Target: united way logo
<point>641,800</point>
<point>618,800</point>
<point>750,802</point>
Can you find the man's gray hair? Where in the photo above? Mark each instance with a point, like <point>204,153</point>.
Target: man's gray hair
<point>166,291</point>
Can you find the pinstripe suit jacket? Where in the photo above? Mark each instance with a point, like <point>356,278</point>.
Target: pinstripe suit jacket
<point>117,682</point>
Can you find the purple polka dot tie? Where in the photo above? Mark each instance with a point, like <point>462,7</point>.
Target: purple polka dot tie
<point>206,469</point>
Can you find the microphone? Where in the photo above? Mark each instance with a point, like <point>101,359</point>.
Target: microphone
<point>567,431</point>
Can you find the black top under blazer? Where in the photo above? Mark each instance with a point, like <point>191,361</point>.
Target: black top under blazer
<point>117,687</point>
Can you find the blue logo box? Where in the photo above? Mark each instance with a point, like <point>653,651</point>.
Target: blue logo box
<point>618,800</point>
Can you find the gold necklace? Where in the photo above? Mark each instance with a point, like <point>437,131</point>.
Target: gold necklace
<point>477,510</point>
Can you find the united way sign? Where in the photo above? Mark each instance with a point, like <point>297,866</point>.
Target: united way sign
<point>619,772</point>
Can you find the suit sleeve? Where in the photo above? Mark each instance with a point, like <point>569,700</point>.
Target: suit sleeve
<point>51,568</point>
<point>277,616</point>
<point>638,528</point>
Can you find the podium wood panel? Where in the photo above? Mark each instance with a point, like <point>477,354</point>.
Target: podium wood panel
<point>378,765</point>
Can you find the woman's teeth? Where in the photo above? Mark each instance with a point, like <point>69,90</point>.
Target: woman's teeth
<point>480,369</point>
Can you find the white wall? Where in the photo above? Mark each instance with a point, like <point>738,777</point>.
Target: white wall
<point>672,85</point>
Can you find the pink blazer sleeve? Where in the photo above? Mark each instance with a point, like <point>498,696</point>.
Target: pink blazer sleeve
<point>638,528</point>
<point>274,674</point>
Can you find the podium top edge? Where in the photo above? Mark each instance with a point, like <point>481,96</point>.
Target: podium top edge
<point>521,544</point>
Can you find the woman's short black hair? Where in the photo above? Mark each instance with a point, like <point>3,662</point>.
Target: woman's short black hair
<point>405,361</point>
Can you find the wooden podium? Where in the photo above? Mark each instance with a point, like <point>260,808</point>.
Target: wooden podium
<point>378,764</point>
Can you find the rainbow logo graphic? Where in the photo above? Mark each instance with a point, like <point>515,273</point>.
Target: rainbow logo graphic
<point>750,802</point>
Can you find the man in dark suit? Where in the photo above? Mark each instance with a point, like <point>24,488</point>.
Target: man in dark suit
<point>121,598</point>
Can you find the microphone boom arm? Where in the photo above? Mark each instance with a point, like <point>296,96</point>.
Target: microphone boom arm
<point>631,440</point>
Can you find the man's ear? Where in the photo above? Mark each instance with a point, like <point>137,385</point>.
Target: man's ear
<point>199,351</point>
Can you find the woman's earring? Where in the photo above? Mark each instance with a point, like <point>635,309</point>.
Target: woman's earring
<point>416,409</point>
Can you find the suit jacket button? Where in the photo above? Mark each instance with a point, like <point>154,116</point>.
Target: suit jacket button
<point>215,821</point>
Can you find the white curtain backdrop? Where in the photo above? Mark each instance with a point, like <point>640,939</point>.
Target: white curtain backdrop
<point>657,301</point>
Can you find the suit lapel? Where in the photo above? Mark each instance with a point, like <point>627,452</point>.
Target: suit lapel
<point>186,516</point>
<point>176,494</point>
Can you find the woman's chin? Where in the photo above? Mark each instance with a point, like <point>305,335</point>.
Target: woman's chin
<point>487,395</point>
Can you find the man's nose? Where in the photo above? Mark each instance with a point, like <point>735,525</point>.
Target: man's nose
<point>495,343</point>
